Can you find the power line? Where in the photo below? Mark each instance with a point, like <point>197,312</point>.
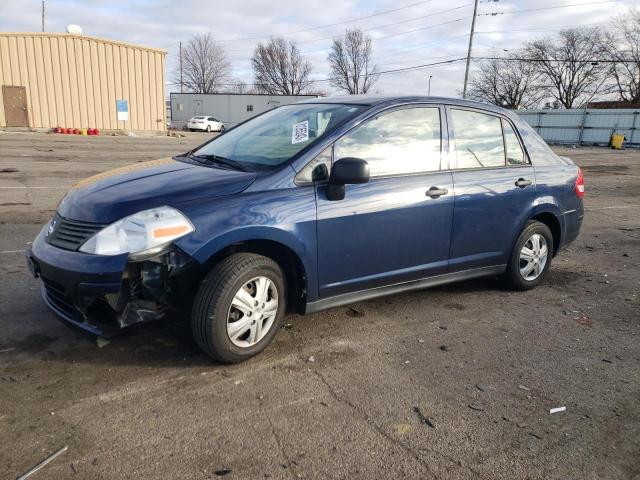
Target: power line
<point>385,26</point>
<point>559,60</point>
<point>320,27</point>
<point>516,12</point>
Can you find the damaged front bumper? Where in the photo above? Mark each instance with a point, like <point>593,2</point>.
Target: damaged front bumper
<point>102,294</point>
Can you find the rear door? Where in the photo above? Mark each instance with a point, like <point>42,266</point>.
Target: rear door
<point>391,229</point>
<point>494,185</point>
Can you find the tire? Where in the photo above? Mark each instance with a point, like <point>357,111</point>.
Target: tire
<point>213,310</point>
<point>208,128</point>
<point>222,129</point>
<point>514,277</point>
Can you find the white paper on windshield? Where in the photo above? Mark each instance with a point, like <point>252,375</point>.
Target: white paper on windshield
<point>300,132</point>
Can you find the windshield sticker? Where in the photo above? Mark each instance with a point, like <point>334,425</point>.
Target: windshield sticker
<point>300,132</point>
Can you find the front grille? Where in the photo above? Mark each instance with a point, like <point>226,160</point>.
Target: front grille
<point>71,234</point>
<point>58,297</point>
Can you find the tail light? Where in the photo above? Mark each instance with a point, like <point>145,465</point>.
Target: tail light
<point>580,184</point>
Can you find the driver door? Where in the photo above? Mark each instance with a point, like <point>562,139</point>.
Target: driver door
<point>389,230</point>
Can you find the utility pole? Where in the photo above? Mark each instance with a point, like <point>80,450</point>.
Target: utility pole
<point>466,71</point>
<point>429,89</point>
<point>181,83</point>
<point>43,15</point>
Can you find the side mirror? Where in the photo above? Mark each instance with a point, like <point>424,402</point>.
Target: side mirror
<point>346,171</point>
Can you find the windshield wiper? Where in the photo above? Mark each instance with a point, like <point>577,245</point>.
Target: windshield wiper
<point>221,160</point>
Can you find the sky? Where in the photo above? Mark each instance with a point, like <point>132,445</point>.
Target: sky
<point>405,33</point>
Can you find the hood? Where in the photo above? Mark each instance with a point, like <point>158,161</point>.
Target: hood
<point>110,196</point>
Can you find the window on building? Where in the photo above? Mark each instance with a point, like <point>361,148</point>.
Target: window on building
<point>249,108</point>
<point>400,142</point>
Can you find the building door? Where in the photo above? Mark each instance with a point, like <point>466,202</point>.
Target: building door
<point>15,106</point>
<point>197,107</point>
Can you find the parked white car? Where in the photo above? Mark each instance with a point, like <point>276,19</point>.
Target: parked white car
<point>205,124</point>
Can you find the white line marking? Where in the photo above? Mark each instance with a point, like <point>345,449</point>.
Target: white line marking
<point>610,208</point>
<point>34,187</point>
<point>12,251</point>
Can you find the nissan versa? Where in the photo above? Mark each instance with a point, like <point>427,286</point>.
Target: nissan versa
<point>306,207</point>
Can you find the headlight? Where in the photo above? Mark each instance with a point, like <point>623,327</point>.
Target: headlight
<point>140,235</point>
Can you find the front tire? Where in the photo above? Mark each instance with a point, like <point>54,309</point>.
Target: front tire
<point>531,257</point>
<point>239,307</point>
<point>208,128</point>
<point>222,129</point>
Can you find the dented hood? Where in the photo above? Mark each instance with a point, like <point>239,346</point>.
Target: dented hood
<point>110,196</point>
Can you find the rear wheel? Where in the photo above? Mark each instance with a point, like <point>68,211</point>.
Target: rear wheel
<point>239,307</point>
<point>531,257</point>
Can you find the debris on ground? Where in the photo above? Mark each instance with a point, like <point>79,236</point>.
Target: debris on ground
<point>9,170</point>
<point>444,348</point>
<point>423,418</point>
<point>354,312</point>
<point>522,387</point>
<point>287,326</point>
<point>483,387</point>
<point>222,472</point>
<point>420,340</point>
<point>43,463</point>
<point>584,320</point>
<point>477,406</point>
<point>102,342</point>
<point>521,425</point>
<point>311,359</point>
<point>607,360</point>
<point>536,435</point>
<point>557,410</point>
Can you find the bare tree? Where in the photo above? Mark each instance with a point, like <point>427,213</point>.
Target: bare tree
<point>352,70</point>
<point>205,65</point>
<point>280,68</point>
<point>623,46</point>
<point>239,86</point>
<point>571,73</point>
<point>509,83</point>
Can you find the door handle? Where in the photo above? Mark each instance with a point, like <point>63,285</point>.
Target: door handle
<point>521,182</point>
<point>435,192</point>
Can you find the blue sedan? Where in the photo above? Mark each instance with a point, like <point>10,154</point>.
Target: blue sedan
<point>306,207</point>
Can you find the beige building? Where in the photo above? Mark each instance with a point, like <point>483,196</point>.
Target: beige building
<point>66,80</point>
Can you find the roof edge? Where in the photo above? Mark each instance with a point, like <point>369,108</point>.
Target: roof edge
<point>82,37</point>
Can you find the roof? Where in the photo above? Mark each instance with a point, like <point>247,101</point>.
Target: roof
<point>371,100</point>
<point>81,37</point>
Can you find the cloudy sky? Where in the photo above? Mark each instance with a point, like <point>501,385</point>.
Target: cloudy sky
<point>406,33</point>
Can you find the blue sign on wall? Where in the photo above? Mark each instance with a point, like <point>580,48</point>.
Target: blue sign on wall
<point>122,109</point>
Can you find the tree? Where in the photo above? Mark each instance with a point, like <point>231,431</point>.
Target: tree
<point>352,70</point>
<point>569,67</point>
<point>280,68</point>
<point>509,83</point>
<point>205,65</point>
<point>623,46</point>
<point>239,86</point>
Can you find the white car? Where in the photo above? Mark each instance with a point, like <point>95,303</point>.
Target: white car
<point>205,124</point>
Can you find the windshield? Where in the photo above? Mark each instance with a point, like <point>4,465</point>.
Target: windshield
<point>276,136</point>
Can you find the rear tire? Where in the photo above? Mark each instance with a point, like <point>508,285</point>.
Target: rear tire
<point>216,311</point>
<point>531,257</point>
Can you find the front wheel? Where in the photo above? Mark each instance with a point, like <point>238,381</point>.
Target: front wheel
<point>531,257</point>
<point>222,129</point>
<point>239,307</point>
<point>208,128</point>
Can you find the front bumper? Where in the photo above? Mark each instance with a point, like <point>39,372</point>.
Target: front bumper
<point>71,281</point>
<point>103,293</point>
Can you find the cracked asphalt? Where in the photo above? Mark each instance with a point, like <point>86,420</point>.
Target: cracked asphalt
<point>335,395</point>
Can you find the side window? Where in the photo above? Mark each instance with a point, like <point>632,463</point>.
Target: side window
<point>478,140</point>
<point>403,141</point>
<point>306,175</point>
<point>515,154</point>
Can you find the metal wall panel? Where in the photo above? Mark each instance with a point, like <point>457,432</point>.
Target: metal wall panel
<point>584,127</point>
<point>74,81</point>
<point>229,108</point>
